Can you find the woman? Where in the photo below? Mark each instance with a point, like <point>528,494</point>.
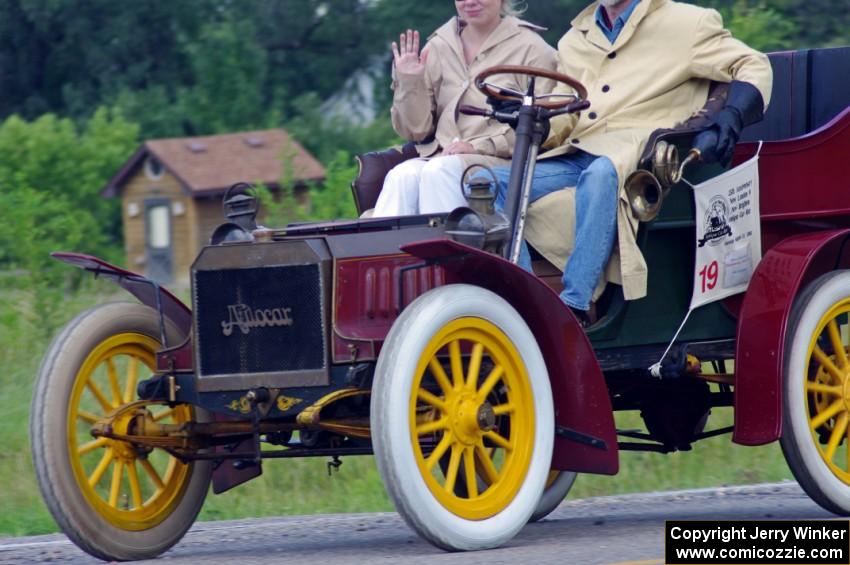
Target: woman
<point>429,86</point>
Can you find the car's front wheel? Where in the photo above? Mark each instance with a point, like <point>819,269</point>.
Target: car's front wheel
<point>114,499</point>
<point>462,419</point>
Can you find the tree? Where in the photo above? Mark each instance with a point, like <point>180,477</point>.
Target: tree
<point>228,76</point>
<point>759,26</point>
<point>332,199</point>
<point>187,67</point>
<point>52,175</point>
<point>816,23</point>
<point>70,56</point>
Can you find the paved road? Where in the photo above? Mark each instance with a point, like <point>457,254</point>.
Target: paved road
<point>604,530</point>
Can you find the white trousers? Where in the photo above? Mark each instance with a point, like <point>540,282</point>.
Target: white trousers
<point>422,186</point>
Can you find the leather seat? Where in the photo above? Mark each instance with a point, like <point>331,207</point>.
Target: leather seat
<point>373,169</point>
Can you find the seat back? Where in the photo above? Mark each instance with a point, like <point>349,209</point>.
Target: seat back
<point>373,168</point>
<point>830,84</point>
<point>810,88</point>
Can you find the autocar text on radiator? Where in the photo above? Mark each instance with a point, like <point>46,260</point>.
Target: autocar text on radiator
<point>243,317</point>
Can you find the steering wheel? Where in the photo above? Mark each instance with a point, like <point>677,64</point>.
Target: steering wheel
<point>543,101</point>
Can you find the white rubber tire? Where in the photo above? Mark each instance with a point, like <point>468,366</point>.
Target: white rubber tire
<point>554,495</point>
<point>391,434</point>
<point>798,445</point>
<point>48,427</point>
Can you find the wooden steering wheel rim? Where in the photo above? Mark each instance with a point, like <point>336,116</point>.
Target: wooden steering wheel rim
<point>534,72</point>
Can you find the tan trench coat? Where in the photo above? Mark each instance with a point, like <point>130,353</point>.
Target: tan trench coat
<point>425,105</point>
<point>655,75</point>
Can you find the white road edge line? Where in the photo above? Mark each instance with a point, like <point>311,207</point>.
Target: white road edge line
<point>7,547</point>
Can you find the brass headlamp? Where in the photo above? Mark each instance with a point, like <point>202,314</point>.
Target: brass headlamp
<point>479,224</point>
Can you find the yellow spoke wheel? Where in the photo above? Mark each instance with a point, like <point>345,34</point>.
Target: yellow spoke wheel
<point>132,488</point>
<point>471,424</point>
<point>828,389</point>
<point>114,500</point>
<point>815,432</point>
<point>462,419</point>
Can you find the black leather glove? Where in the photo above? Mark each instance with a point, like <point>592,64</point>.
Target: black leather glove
<point>511,106</point>
<point>504,106</point>
<point>744,106</point>
<point>706,143</point>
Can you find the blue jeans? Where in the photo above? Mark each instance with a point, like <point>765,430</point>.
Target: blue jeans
<point>595,179</point>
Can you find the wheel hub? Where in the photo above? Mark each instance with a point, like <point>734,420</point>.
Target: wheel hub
<point>470,419</point>
<point>124,425</point>
<point>486,417</point>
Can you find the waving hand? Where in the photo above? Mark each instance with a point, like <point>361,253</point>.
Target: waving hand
<point>406,56</point>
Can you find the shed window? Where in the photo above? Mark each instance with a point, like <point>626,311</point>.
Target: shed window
<point>153,168</point>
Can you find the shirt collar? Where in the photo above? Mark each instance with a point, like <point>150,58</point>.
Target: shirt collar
<point>621,19</point>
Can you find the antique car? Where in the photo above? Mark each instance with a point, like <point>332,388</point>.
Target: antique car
<point>418,340</point>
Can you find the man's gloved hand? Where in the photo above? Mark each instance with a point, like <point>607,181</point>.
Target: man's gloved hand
<point>744,106</point>
<point>728,124</point>
<point>706,143</point>
<point>511,106</point>
<point>504,106</point>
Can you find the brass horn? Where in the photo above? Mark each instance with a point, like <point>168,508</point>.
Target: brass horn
<point>645,194</point>
<point>646,190</point>
<point>665,163</point>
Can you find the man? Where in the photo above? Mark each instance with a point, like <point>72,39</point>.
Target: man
<point>647,64</point>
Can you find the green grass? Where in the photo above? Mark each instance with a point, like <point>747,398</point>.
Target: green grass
<point>712,462</point>
<point>303,486</point>
<point>23,340</point>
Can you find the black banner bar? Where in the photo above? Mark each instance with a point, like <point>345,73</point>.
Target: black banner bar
<point>765,542</point>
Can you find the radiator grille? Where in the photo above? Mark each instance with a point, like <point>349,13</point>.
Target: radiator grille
<point>259,320</point>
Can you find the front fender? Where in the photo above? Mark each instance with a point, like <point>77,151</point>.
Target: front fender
<point>762,325</point>
<point>582,404</point>
<point>224,477</point>
<point>144,289</point>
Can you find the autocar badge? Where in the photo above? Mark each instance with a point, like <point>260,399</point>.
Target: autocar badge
<point>246,318</point>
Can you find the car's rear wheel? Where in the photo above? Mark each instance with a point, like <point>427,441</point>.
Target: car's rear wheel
<point>558,485</point>
<point>114,500</point>
<point>462,419</point>
<point>817,392</point>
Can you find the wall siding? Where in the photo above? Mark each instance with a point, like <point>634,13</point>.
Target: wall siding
<point>140,188</point>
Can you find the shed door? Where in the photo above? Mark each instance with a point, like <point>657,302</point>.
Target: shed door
<point>160,265</point>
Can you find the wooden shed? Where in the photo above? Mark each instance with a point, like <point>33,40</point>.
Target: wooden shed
<point>171,191</point>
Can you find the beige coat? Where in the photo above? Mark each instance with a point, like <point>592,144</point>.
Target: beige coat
<point>655,75</point>
<point>425,105</point>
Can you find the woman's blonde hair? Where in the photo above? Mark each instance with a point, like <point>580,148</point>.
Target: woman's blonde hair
<point>512,8</point>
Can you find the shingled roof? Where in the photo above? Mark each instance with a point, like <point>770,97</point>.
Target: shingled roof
<point>210,164</point>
